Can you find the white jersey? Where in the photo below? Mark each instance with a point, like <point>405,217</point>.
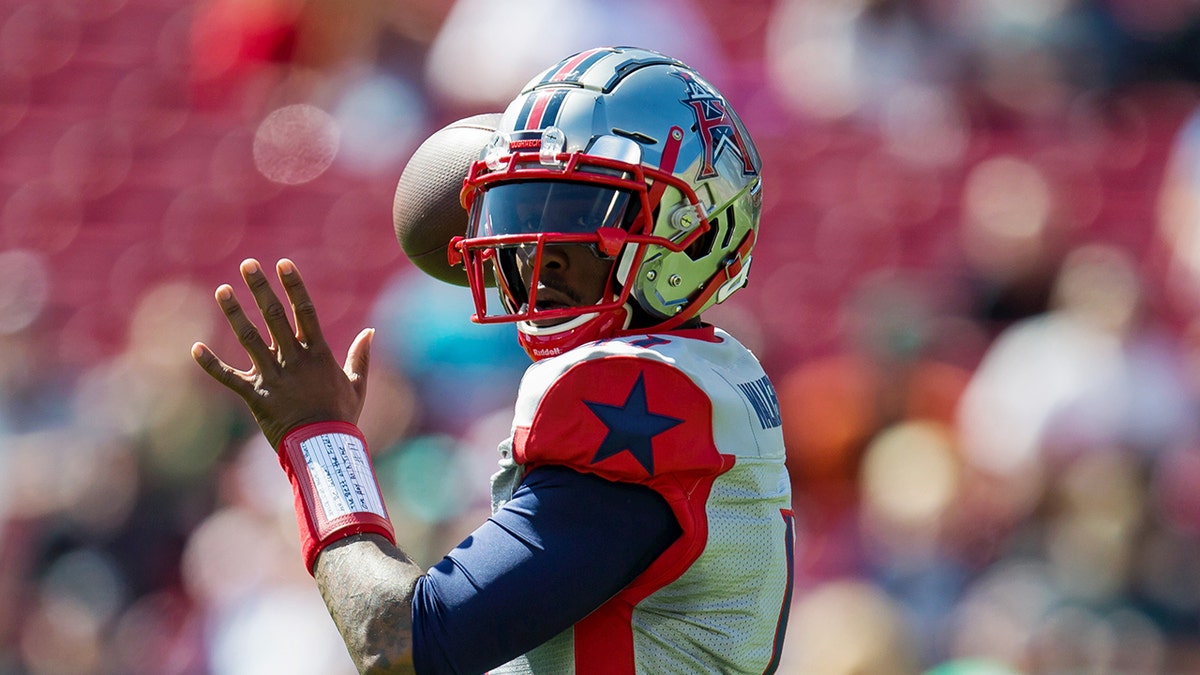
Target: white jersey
<point>692,415</point>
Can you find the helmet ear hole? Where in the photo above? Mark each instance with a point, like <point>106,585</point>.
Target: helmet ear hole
<point>704,243</point>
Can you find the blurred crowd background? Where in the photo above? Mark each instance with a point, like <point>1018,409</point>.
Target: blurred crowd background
<point>977,291</point>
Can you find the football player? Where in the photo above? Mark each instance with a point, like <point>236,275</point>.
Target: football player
<point>641,512</point>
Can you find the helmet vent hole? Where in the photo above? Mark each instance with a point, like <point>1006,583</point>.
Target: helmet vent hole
<point>636,136</point>
<point>729,230</point>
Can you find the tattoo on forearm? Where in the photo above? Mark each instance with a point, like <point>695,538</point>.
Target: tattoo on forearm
<point>368,587</point>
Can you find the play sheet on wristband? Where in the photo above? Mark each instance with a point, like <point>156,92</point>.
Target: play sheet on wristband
<point>341,475</point>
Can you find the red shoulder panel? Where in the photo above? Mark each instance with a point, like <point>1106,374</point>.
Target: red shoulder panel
<point>623,418</point>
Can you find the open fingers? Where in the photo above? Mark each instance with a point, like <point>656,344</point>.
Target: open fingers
<point>245,330</point>
<point>308,329</point>
<point>221,371</point>
<point>273,311</point>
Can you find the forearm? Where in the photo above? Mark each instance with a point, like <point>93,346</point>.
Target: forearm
<point>368,587</point>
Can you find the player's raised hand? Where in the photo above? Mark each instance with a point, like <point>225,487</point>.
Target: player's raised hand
<point>294,378</point>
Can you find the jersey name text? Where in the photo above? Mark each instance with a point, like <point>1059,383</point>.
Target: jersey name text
<point>761,396</point>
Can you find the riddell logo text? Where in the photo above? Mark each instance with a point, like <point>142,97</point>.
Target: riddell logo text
<point>555,351</point>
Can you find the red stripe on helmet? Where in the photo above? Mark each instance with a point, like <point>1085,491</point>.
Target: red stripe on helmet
<point>570,65</point>
<point>541,101</point>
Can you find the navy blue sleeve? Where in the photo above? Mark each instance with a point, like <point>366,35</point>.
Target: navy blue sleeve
<point>565,544</point>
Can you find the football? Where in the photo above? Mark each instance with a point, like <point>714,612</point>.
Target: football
<point>426,211</point>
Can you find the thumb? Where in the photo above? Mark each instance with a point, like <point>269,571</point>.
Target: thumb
<point>358,359</point>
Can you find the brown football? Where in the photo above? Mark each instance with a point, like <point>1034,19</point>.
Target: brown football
<point>426,211</point>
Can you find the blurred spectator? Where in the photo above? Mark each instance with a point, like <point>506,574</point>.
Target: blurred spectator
<point>1067,411</point>
<point>830,59</point>
<point>1068,380</point>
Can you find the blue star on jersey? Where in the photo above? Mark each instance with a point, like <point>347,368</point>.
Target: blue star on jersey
<point>631,427</point>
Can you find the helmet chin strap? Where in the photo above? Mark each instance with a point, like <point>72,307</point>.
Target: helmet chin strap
<point>530,328</point>
<point>542,342</point>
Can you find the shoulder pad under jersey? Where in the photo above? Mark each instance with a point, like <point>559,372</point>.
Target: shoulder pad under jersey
<point>619,411</point>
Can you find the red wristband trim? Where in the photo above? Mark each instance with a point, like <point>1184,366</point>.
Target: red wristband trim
<point>336,492</point>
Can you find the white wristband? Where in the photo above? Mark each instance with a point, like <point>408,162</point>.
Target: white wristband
<point>343,481</point>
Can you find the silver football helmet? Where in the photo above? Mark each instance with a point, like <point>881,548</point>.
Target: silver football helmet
<point>633,154</point>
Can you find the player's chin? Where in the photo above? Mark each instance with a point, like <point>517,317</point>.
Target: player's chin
<point>549,323</point>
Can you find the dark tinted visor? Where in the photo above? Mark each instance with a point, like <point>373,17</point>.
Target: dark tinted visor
<point>549,206</point>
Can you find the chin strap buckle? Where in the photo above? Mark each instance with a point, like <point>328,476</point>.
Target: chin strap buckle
<point>454,253</point>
